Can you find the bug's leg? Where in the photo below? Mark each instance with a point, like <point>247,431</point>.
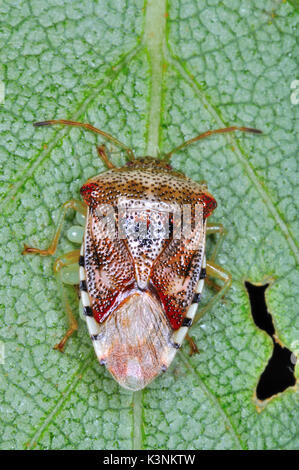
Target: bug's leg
<point>67,259</point>
<point>104,157</point>
<point>224,130</point>
<point>216,271</point>
<point>73,204</point>
<point>212,284</point>
<point>91,128</point>
<point>193,347</point>
<point>212,270</point>
<point>216,228</point>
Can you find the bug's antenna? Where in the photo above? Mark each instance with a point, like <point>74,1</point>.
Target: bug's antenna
<point>207,134</point>
<point>91,128</point>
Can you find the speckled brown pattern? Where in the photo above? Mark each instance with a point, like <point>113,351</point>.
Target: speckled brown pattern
<point>147,179</point>
<point>166,268</point>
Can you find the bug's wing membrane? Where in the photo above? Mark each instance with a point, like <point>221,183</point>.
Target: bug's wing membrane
<point>134,343</point>
<point>177,271</point>
<point>109,267</point>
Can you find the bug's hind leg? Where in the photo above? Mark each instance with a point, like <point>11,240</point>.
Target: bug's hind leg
<point>192,345</point>
<point>217,272</point>
<point>71,260</point>
<point>72,204</point>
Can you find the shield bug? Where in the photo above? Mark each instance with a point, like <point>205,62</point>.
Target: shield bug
<point>142,262</point>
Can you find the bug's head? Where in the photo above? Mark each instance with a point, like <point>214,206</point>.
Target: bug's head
<point>148,162</point>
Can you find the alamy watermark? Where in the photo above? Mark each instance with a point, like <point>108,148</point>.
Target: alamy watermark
<point>295,94</point>
<point>2,92</point>
<point>2,352</point>
<point>138,221</point>
<point>295,351</point>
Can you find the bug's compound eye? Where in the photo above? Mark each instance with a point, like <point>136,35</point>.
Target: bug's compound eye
<point>209,204</point>
<point>89,191</point>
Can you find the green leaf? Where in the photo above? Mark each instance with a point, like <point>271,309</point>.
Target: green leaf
<point>152,75</point>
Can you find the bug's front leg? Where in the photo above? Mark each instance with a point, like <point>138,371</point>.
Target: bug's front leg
<point>72,204</point>
<point>68,259</point>
<point>101,149</point>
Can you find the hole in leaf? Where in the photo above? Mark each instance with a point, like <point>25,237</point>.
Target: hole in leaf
<point>279,372</point>
<point>278,375</point>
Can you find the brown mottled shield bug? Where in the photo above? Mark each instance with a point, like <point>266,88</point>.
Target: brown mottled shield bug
<point>142,261</point>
